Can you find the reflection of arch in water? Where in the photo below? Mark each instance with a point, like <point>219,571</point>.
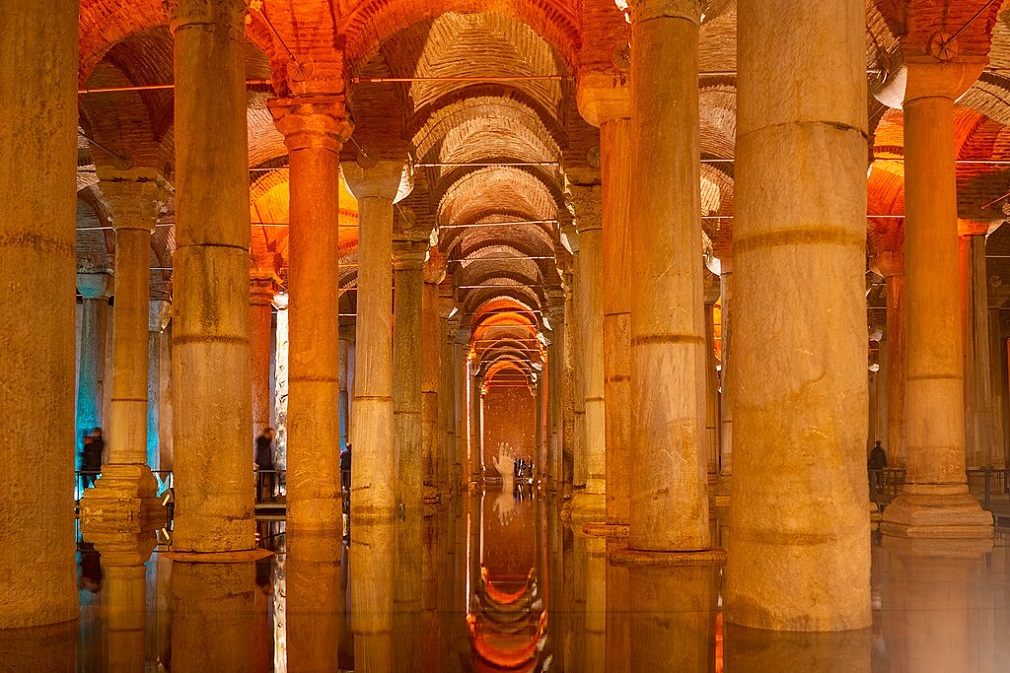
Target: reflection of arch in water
<point>507,621</point>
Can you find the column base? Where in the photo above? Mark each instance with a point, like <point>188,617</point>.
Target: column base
<point>588,507</point>
<point>607,530</point>
<point>636,558</point>
<point>938,512</point>
<point>123,500</point>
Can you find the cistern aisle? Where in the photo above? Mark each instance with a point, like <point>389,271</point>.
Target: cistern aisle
<point>498,583</point>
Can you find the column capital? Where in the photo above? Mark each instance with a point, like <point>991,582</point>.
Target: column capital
<point>927,77</point>
<point>601,99</point>
<point>409,255</point>
<point>262,289</point>
<point>645,10</point>
<point>385,179</point>
<point>135,203</point>
<point>434,269</point>
<point>280,302</point>
<point>94,285</point>
<point>312,121</point>
<point>159,313</point>
<point>587,202</point>
<point>229,13</point>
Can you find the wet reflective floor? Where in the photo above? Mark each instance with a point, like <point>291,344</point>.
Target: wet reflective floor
<point>495,582</point>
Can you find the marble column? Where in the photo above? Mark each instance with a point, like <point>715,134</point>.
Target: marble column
<point>314,129</point>
<point>261,298</point>
<point>725,398</point>
<point>430,346</point>
<point>799,549</point>
<point>980,425</point>
<point>894,275</point>
<point>475,382</point>
<point>38,122</point>
<point>373,491</point>
<point>412,431</point>
<point>590,503</point>
<point>560,458</point>
<point>445,384</point>
<point>158,316</point>
<point>212,397</point>
<point>669,499</point>
<point>935,501</point>
<point>608,108</point>
<point>345,348</point>
<point>126,493</point>
<point>95,289</point>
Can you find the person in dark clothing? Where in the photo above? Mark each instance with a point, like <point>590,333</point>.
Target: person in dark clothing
<point>345,468</point>
<point>875,464</point>
<point>265,463</point>
<point>91,457</point>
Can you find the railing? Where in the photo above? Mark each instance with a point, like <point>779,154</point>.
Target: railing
<point>991,486</point>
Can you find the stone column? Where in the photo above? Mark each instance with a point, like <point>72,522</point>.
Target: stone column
<point>711,386</point>
<point>669,499</point>
<point>314,128</point>
<point>261,298</point>
<point>935,501</point>
<point>799,553</point>
<point>210,337</point>
<point>373,491</point>
<point>608,108</point>
<point>345,348</point>
<point>95,289</point>
<point>895,279</point>
<point>560,458</point>
<point>38,122</point>
<point>429,356</point>
<point>126,493</point>
<point>475,381</point>
<point>590,503</point>
<point>412,430</point>
<point>726,399</point>
<point>980,426</point>
<point>314,602</point>
<point>158,315</point>
<point>445,382</point>
<point>124,598</point>
<point>372,584</point>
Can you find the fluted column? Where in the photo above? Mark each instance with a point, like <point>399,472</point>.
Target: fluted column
<point>38,124</point>
<point>669,500</point>
<point>590,502</point>
<point>314,129</point>
<point>799,545</point>
<point>261,297</point>
<point>373,491</point>
<point>210,336</point>
<point>127,490</point>
<point>608,108</point>
<point>95,289</point>
<point>935,501</point>
<point>412,432</point>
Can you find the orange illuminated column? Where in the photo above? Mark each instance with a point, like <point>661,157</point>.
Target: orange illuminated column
<point>261,297</point>
<point>476,461</point>
<point>980,425</point>
<point>560,415</point>
<point>799,548</point>
<point>410,440</point>
<point>126,493</point>
<point>890,263</point>
<point>604,101</point>
<point>935,501</point>
<point>429,361</point>
<point>667,486</point>
<point>590,501</point>
<point>38,125</point>
<point>212,399</point>
<point>448,392</point>
<point>375,186</point>
<point>314,129</point>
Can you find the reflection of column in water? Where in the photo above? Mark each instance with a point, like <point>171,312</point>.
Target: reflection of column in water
<point>618,641</point>
<point>571,646</point>
<point>595,591</point>
<point>314,602</point>
<point>672,620</point>
<point>765,651</point>
<point>45,649</point>
<point>429,656</point>
<point>371,571</point>
<point>212,623</point>
<point>928,616</point>
<point>124,597</point>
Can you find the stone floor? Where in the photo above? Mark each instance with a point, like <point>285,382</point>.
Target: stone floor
<point>494,583</point>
